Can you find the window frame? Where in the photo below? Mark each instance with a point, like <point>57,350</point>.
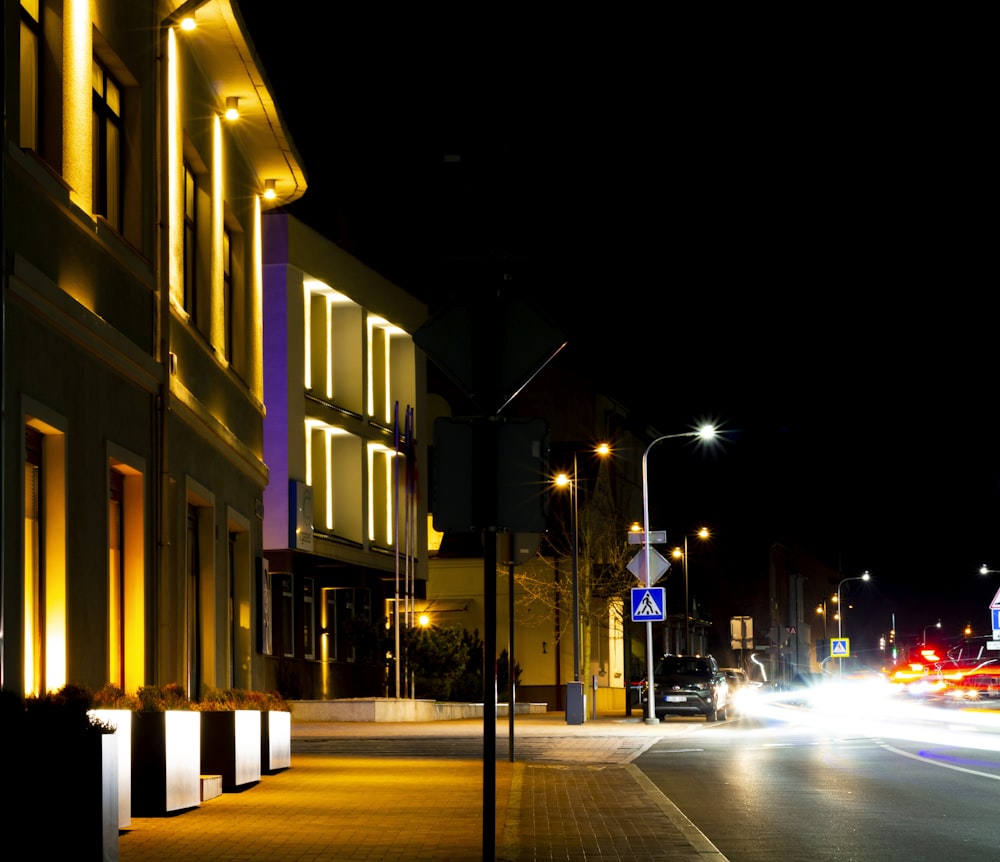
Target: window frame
<point>108,168</point>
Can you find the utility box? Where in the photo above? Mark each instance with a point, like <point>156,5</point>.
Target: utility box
<point>576,703</point>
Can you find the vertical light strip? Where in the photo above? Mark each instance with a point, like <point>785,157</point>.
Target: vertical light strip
<point>255,361</point>
<point>175,190</point>
<point>307,336</point>
<point>369,371</point>
<point>388,377</point>
<point>78,103</point>
<point>309,458</point>
<point>371,494</point>
<point>329,347</point>
<point>390,532</point>
<point>329,478</point>
<point>217,323</point>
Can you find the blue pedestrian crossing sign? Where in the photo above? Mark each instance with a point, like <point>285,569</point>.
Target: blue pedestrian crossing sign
<point>648,604</point>
<point>840,647</point>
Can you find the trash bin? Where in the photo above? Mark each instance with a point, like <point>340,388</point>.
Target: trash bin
<point>576,706</point>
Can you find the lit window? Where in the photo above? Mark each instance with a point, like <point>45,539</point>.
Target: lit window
<point>29,75</point>
<point>34,583</point>
<point>190,243</point>
<point>107,146</point>
<point>44,573</point>
<point>126,577</point>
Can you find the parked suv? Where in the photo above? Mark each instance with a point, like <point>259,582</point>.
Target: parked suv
<point>690,685</point>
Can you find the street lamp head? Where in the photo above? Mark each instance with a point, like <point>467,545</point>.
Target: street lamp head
<point>703,533</point>
<point>562,480</point>
<point>866,577</point>
<point>707,432</point>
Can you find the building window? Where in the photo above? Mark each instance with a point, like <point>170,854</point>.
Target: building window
<point>107,168</point>
<point>126,576</point>
<point>194,629</point>
<point>240,588</point>
<point>44,572</point>
<point>116,580</point>
<point>287,616</point>
<point>29,76</point>
<point>190,244</point>
<point>34,583</point>
<point>308,618</point>
<point>348,616</point>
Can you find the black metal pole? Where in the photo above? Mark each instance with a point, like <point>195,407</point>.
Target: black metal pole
<point>489,696</point>
<point>511,696</point>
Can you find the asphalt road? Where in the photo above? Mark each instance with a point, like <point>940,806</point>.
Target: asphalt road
<point>818,785</point>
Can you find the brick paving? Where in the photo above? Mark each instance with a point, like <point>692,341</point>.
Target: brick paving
<point>572,794</point>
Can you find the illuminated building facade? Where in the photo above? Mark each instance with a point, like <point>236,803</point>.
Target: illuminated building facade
<point>344,517</point>
<point>133,379</point>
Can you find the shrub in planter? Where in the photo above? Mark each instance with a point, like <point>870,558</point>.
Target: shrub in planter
<point>67,770</point>
<point>166,752</point>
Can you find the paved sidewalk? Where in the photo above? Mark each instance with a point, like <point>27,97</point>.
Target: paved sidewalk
<point>414,791</point>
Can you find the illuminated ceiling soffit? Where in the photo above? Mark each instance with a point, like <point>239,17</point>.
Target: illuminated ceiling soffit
<point>224,51</point>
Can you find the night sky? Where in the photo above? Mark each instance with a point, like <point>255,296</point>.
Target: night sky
<point>789,240</point>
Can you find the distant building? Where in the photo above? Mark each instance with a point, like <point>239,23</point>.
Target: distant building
<point>345,517</point>
<point>609,500</point>
<point>133,377</point>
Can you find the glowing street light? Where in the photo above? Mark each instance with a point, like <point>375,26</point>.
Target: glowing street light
<point>706,433</point>
<point>936,625</point>
<point>703,534</point>
<point>864,576</point>
<point>983,570</point>
<point>562,480</point>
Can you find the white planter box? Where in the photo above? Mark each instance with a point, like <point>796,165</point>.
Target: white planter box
<point>166,762</point>
<point>230,746</point>
<point>121,719</point>
<point>275,741</point>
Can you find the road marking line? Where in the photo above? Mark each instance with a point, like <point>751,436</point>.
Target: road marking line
<point>895,750</point>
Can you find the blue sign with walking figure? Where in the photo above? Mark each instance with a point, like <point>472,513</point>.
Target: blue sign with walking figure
<point>648,604</point>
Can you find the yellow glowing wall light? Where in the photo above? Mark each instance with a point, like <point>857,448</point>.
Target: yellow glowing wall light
<point>314,287</point>
<point>388,454</point>
<point>218,317</point>
<point>77,106</point>
<point>313,426</point>
<point>388,330</point>
<point>175,196</point>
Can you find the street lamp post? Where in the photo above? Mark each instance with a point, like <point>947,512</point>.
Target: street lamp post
<point>936,625</point>
<point>864,576</point>
<point>706,432</point>
<point>702,534</point>
<point>574,710</point>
